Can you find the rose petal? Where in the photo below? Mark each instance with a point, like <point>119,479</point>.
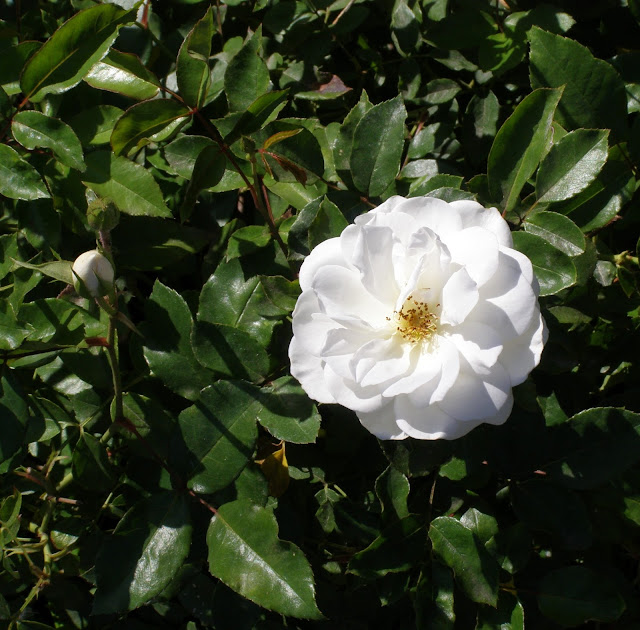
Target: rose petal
<point>477,250</point>
<point>351,395</point>
<point>340,292</point>
<point>523,353</point>
<point>475,398</point>
<point>328,252</point>
<point>308,369</point>
<point>382,423</point>
<point>427,423</point>
<point>380,361</point>
<point>432,213</point>
<point>473,214</point>
<point>459,296</point>
<point>480,345</point>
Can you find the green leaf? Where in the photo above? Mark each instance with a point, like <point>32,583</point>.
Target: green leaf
<point>166,242</point>
<point>509,615</point>
<point>441,91</point>
<point>557,61</point>
<point>392,489</point>
<point>220,432</point>
<point>343,143</point>
<point>144,553</point>
<point>554,269</point>
<point>316,222</point>
<point>68,55</point>
<point>183,152</point>
<point>558,230</point>
<point>229,352</point>
<point>520,145</point>
<point>475,570</point>
<point>558,511</point>
<point>247,555</point>
<point>147,122</point>
<point>260,113</point>
<point>434,604</point>
<point>94,125</point>
<point>254,305</point>
<point>378,142</point>
<point>130,186</point>
<point>58,269</point>
<point>124,74</point>
<point>287,412</point>
<point>167,341</point>
<point>54,320</point>
<point>13,61</point>
<point>247,240</point>
<point>208,170</point>
<point>571,165</point>
<point>33,129</point>
<point>480,125</point>
<point>482,525</point>
<point>572,596</point>
<point>14,412</point>
<point>91,466</point>
<point>593,447</point>
<point>399,548</point>
<point>246,77</point>
<point>192,65</point>
<point>18,179</point>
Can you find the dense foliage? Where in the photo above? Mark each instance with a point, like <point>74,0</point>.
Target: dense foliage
<point>160,467</point>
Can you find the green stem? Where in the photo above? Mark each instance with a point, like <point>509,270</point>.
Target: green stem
<point>112,352</point>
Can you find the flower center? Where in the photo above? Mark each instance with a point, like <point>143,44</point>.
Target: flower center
<point>414,321</point>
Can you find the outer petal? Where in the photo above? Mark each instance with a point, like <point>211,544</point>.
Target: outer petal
<point>427,423</point>
<point>459,296</point>
<point>310,326</point>
<point>522,354</point>
<point>309,370</point>
<point>328,252</point>
<point>473,214</point>
<point>382,423</point>
<point>475,398</point>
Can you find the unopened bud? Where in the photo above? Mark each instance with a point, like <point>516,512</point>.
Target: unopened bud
<point>93,274</point>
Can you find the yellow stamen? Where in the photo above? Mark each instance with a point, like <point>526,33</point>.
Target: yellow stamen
<point>415,321</point>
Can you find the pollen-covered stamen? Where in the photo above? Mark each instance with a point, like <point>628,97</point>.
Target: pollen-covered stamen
<point>415,321</point>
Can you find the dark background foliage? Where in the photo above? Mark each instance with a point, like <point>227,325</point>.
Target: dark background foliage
<point>160,468</point>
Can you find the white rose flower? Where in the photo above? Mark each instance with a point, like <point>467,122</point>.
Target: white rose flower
<point>420,318</point>
<point>92,274</point>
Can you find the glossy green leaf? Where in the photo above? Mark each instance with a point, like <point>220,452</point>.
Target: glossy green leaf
<point>229,351</point>
<point>72,50</point>
<point>378,142</point>
<point>571,596</point>
<point>13,60</point>
<point>14,412</point>
<point>33,129</point>
<point>287,412</point>
<point>183,152</point>
<point>571,165</point>
<point>480,125</point>
<point>91,466</point>
<point>247,555</point>
<point>208,170</point>
<point>441,91</point>
<point>124,74</point>
<point>18,179</point>
<point>593,447</point>
<point>146,122</point>
<point>192,65</point>
<point>254,305</point>
<point>167,339</point>
<point>94,125</point>
<point>220,432</point>
<point>343,144</point>
<point>260,113</point>
<point>475,570</point>
<point>392,489</point>
<point>399,548</point>
<point>130,186</point>
<point>247,240</point>
<point>557,61</point>
<point>434,602</point>
<point>147,426</point>
<point>143,554</point>
<point>54,320</point>
<point>247,76</point>
<point>553,268</point>
<point>558,230</point>
<point>484,526</point>
<point>59,269</point>
<point>519,146</point>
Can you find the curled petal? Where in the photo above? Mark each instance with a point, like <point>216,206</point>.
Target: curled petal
<point>306,367</point>
<point>426,423</point>
<point>327,253</point>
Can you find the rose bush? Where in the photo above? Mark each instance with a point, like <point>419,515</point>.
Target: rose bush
<point>420,317</point>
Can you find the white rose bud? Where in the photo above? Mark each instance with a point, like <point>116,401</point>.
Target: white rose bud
<point>92,274</point>
<point>421,318</point>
